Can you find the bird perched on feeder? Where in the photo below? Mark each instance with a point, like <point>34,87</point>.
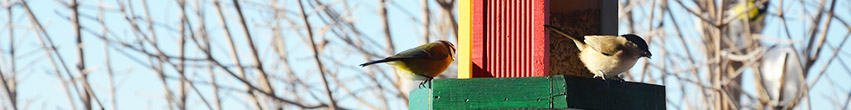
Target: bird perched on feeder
<point>607,56</point>
<point>423,62</point>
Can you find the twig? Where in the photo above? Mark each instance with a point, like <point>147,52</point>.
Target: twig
<point>202,33</point>
<point>152,39</point>
<point>316,58</point>
<point>386,26</point>
<point>81,65</point>
<point>812,31</point>
<point>356,44</point>
<point>448,6</point>
<point>232,49</point>
<point>109,71</point>
<point>9,83</point>
<point>8,87</point>
<point>649,39</point>
<point>52,49</point>
<point>264,81</point>
<point>426,21</point>
<point>812,59</point>
<point>829,60</point>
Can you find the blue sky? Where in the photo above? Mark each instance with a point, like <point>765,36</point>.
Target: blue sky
<point>139,87</point>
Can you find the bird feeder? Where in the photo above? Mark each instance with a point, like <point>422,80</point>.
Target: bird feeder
<point>508,60</point>
<point>506,38</point>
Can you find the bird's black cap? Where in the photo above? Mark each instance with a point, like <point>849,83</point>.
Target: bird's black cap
<point>638,41</point>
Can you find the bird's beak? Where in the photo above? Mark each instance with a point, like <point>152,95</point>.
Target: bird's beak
<point>646,54</point>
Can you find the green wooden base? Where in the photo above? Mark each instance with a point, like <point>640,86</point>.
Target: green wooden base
<point>551,92</point>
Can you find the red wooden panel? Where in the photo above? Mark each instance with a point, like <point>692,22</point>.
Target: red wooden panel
<point>477,39</point>
<point>541,44</point>
<point>509,39</point>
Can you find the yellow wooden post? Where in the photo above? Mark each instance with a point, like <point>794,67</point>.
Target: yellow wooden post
<point>464,59</point>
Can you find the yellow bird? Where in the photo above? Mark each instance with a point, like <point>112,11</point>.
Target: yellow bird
<point>754,15</point>
<point>423,62</point>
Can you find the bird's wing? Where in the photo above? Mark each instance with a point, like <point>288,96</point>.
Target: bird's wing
<point>412,53</point>
<point>608,45</point>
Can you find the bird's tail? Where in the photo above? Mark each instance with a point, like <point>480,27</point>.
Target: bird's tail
<point>378,61</point>
<point>562,33</point>
<point>579,40</point>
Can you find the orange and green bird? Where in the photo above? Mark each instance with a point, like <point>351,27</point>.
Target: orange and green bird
<point>423,62</point>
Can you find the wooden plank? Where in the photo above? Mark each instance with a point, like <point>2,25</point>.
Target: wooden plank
<point>478,39</point>
<point>540,40</point>
<point>608,17</point>
<point>587,93</point>
<point>559,92</point>
<point>419,99</point>
<point>549,92</point>
<point>464,26</point>
<point>508,39</point>
<point>491,93</point>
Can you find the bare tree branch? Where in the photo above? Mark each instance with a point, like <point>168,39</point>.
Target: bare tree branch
<point>316,57</point>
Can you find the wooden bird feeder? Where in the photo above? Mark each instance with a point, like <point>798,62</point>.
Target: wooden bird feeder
<point>507,60</point>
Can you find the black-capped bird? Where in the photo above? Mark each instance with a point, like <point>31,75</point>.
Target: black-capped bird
<point>423,62</point>
<point>607,56</point>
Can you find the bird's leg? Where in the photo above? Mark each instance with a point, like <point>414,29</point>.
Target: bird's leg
<point>422,84</point>
<point>598,75</point>
<point>603,75</point>
<point>427,80</point>
<point>618,79</point>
